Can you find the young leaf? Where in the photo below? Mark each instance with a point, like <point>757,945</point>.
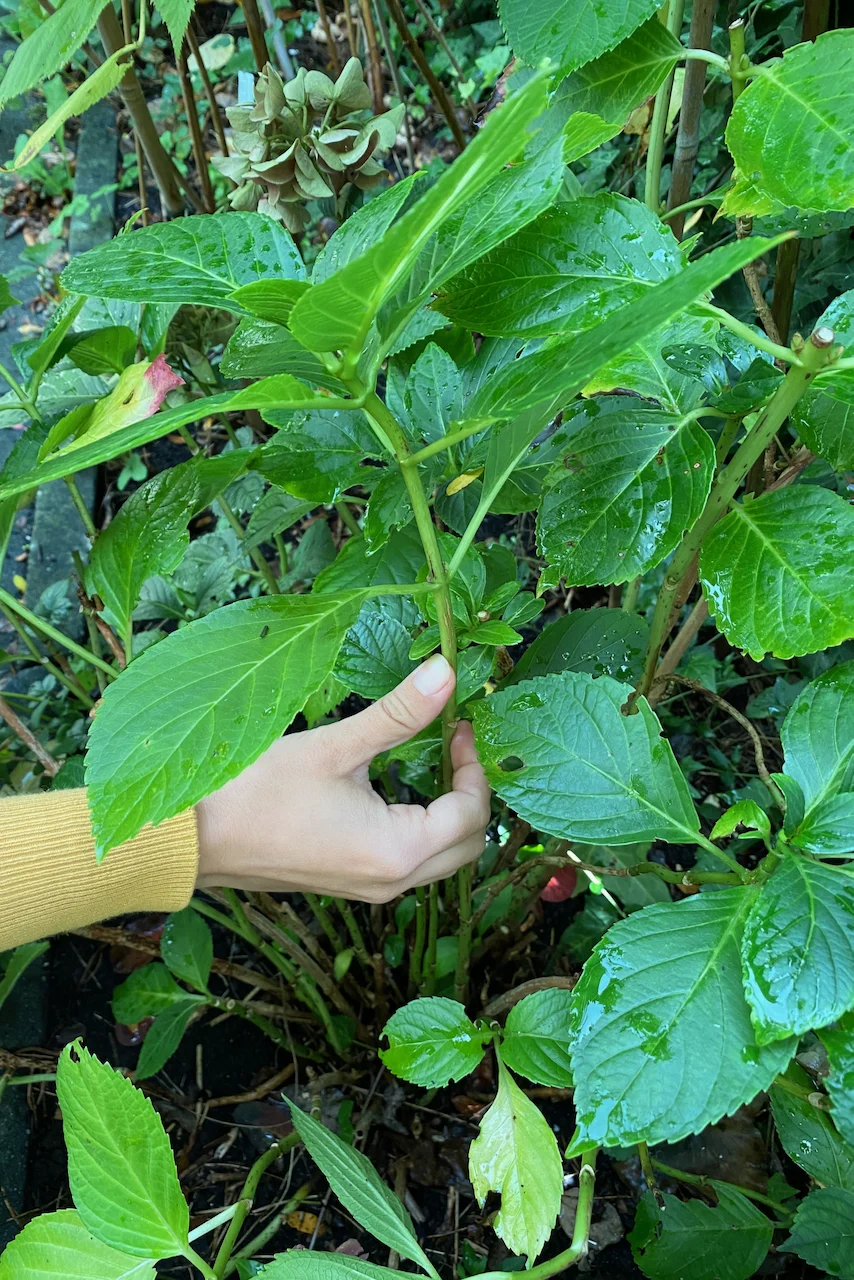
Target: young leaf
<point>535,1043</point>
<point>200,259</point>
<point>145,993</point>
<point>187,947</point>
<point>197,708</point>
<point>798,949</point>
<point>58,1244</point>
<point>389,508</point>
<point>359,1187</point>
<point>319,454</point>
<point>564,31</point>
<point>839,1045</point>
<point>337,313</point>
<point>399,560</point>
<point>516,1155</point>
<point>16,963</point>
<point>566,271</point>
<point>791,129</point>
<point>164,1035</point>
<point>791,545</point>
<point>257,349</point>
<point>275,512</point>
<point>689,1238</point>
<point>745,813</point>
<point>631,483</point>
<point>560,752</point>
<point>374,657</point>
<point>432,395</point>
<point>602,642</point>
<point>809,1137</point>
<point>303,1264</point>
<point>103,351</point>
<point>431,1042</point>
<point>176,15</point>
<point>120,1165</point>
<point>823,1231</point>
<point>640,1022</point>
<point>272,300</point>
<point>818,741</point>
<point>49,47</point>
<point>363,229</point>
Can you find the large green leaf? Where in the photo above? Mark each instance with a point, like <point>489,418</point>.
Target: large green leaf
<point>826,425</point>
<point>791,130</point>
<point>778,572</point>
<point>398,561</point>
<point>337,313</point>
<point>839,1045</point>
<point>560,752</point>
<point>689,1238</point>
<point>431,1042</point>
<point>120,1165</point>
<point>374,657</point>
<point>302,1264</point>
<point>823,1232</point>
<point>612,85</point>
<point>319,454</point>
<point>566,271</point>
<point>257,348</point>
<point>431,395</point>
<point>359,1187</point>
<point>646,1066</point>
<point>197,708</point>
<point>798,949</point>
<point>645,368</point>
<point>58,1244</point>
<point>363,228</point>
<point>536,1037</point>
<point>809,1136</point>
<point>630,484</point>
<point>569,31</point>
<point>146,993</point>
<point>200,259</point>
<point>818,740</point>
<point>516,1155</point>
<point>187,947</point>
<point>602,642</point>
<point>49,47</point>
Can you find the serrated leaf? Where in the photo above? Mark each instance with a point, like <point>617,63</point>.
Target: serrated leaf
<point>535,1043</point>
<point>399,560</point>
<point>826,426</point>
<point>359,1187</point>
<point>645,369</point>
<point>839,1045</point>
<point>103,351</point>
<point>275,512</point>
<point>602,642</point>
<point>690,1238</point>
<point>613,84</point>
<point>186,946</point>
<point>567,31</point>
<point>432,1042</point>
<point>257,349</point>
<point>120,1165</point>
<point>791,129</point>
<point>566,271</point>
<point>630,484</point>
<point>818,741</point>
<point>176,15</point>
<point>145,993</point>
<point>641,1016</point>
<point>164,1035</point>
<point>319,454</point>
<point>792,546</point>
<point>49,47</point>
<point>809,1136</point>
<point>271,299</point>
<point>305,1264</point>
<point>515,1154</point>
<point>195,710</point>
<point>58,1244</point>
<point>388,509</point>
<point>798,948</point>
<point>560,752</point>
<point>200,259</point>
<point>744,813</point>
<point>823,1231</point>
<point>431,395</point>
<point>363,228</point>
<point>374,657</point>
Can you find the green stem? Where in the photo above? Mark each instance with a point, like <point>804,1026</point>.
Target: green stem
<point>652,181</point>
<point>324,919</point>
<point>45,662</point>
<point>630,595</point>
<point>40,625</point>
<point>737,58</point>
<point>464,932</point>
<point>714,197</point>
<point>266,1234</point>
<point>649,1174</point>
<point>727,438</point>
<point>446,442</point>
<point>349,520</point>
<point>25,401</point>
<point>699,1180</point>
<point>416,955</point>
<point>82,509</point>
<point>355,933</point>
<point>705,55</point>
<point>785,354</point>
<point>200,1264</point>
<point>812,1096</point>
<point>213,1223</point>
<point>429,975</point>
<point>247,1197</point>
<point>42,1077</point>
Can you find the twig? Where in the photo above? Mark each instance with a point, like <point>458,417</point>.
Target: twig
<point>658,126</point>
<point>682,642</point>
<point>512,845</point>
<point>324,21</point>
<point>45,759</point>
<point>700,1180</point>
<point>503,1003</point>
<point>437,89</point>
<point>374,60</point>
<point>216,114</point>
<point>649,1174</point>
<point>199,154</point>
<point>688,133</point>
<point>253,1095</point>
<point>255,30</point>
<point>395,79</point>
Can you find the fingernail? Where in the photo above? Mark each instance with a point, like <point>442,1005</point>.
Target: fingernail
<point>432,675</point>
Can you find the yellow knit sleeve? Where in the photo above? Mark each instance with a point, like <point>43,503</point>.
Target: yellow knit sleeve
<point>51,881</point>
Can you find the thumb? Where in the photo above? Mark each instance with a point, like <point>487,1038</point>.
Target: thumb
<point>397,717</point>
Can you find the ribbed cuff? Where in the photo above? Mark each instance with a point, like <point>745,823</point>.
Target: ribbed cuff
<point>51,881</point>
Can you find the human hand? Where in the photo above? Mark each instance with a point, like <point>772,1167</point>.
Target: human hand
<point>304,816</point>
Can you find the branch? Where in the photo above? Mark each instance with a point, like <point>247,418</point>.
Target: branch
<point>45,759</point>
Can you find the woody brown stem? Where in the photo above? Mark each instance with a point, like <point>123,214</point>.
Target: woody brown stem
<point>29,739</point>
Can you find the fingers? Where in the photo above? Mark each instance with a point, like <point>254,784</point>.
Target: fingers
<point>396,718</point>
<point>447,863</point>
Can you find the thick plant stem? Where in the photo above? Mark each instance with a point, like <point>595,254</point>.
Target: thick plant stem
<point>356,935</point>
<point>324,919</point>
<point>727,439</point>
<point>630,595</point>
<point>437,89</point>
<point>688,133</point>
<point>785,275</point>
<point>737,58</point>
<point>814,357</point>
<point>247,1197</point>
<point>655,154</point>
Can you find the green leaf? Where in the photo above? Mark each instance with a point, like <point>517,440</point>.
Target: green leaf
<point>164,1035</point>
<point>516,1155</point>
<point>58,1244</point>
<point>630,484</point>
<point>197,708</point>
<point>149,535</point>
<point>257,348</point>
<point>6,298</point>
<point>200,259</point>
<point>17,961</point>
<point>602,642</point>
<point>535,1043</point>
<point>363,228</point>
<point>399,561</point>
<point>374,657</point>
<point>319,454</point>
<point>359,1187</point>
<point>145,993</point>
<point>120,1165</point>
<point>641,1013</point>
<point>808,1135</point>
<point>690,1238</point>
<point>818,741</point>
<point>826,426</point>
<point>275,512</point>
<point>187,948</point>
<point>103,351</point>
<point>271,300</point>
<point>302,1264</point>
<point>389,508</point>
<point>176,15</point>
<point>798,949</point>
<point>560,752</point>
<point>49,47</point>
<point>744,812</point>
<point>823,1231</point>
<point>791,129</point>
<point>432,1042</point>
<point>646,370</point>
<point>567,31</point>
<point>431,395</point>
<point>337,313</point>
<point>568,270</point>
<point>612,85</point>
<point>839,1045</point>
<point>790,545</point>
<point>495,632</point>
